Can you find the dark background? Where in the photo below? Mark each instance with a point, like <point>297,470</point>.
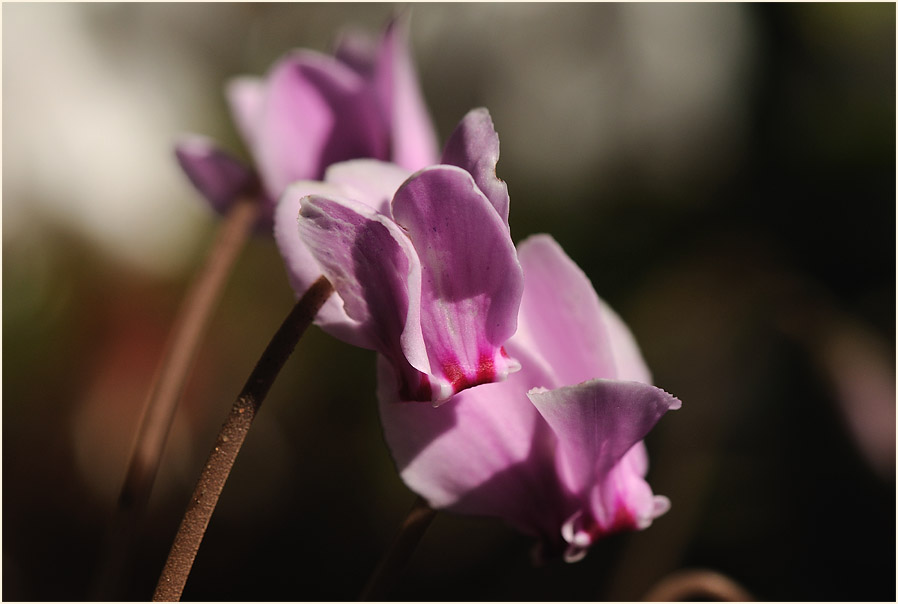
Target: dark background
<point>725,174</point>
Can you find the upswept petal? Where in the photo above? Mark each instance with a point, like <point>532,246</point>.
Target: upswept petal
<point>303,269</point>
<point>370,181</point>
<point>576,333</point>
<point>316,111</point>
<point>219,177</point>
<point>597,423</point>
<point>374,269</point>
<point>474,146</point>
<point>414,141</point>
<point>358,49</point>
<point>485,452</point>
<point>471,278</point>
<point>245,95</point>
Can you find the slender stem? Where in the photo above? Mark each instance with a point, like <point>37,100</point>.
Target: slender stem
<point>410,532</point>
<point>687,586</point>
<point>188,328</point>
<point>230,439</point>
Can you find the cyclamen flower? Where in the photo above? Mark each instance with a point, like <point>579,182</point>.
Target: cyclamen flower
<point>422,264</point>
<point>556,450</point>
<point>313,110</point>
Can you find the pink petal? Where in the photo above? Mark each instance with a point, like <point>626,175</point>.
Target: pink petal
<point>486,452</point>
<point>474,146</point>
<point>375,270</point>
<point>564,320</point>
<point>471,278</point>
<point>219,177</point>
<point>303,269</point>
<point>316,111</point>
<point>245,96</point>
<point>357,49</point>
<point>370,181</point>
<point>396,84</point>
<point>597,422</point>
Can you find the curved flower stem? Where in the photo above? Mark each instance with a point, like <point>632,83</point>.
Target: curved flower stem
<point>410,532</point>
<point>686,586</point>
<point>188,328</point>
<point>230,439</point>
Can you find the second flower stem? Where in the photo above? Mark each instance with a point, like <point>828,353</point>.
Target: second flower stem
<point>230,439</point>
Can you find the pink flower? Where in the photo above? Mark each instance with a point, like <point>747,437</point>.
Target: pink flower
<point>422,264</point>
<point>556,450</point>
<point>313,110</point>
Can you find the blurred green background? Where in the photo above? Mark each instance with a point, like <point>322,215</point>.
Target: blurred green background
<point>724,173</point>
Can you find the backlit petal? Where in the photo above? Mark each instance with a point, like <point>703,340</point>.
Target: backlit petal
<point>474,146</point>
<point>370,181</point>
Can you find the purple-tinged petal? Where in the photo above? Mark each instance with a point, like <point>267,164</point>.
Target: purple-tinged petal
<point>316,112</point>
<point>564,320</point>
<point>474,146</point>
<point>357,49</point>
<point>303,269</point>
<point>218,176</point>
<point>370,181</point>
<point>597,422</point>
<point>471,278</point>
<point>374,269</point>
<point>486,452</point>
<point>396,84</point>
<point>245,95</point>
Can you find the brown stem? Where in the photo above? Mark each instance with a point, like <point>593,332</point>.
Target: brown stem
<point>410,532</point>
<point>687,585</point>
<point>187,332</point>
<point>230,439</point>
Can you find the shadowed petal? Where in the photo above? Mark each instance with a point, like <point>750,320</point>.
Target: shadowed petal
<point>471,278</point>
<point>563,319</point>
<point>486,451</point>
<point>316,112</point>
<point>219,177</point>
<point>474,146</point>
<point>376,272</point>
<point>303,269</point>
<point>396,83</point>
<point>597,422</point>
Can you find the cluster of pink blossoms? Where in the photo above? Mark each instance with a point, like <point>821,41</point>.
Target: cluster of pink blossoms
<point>540,397</point>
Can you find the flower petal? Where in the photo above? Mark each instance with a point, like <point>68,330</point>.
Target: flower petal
<point>471,279</point>
<point>487,452</point>
<point>375,270</point>
<point>316,111</point>
<point>245,95</point>
<point>370,181</point>
<point>597,423</point>
<point>474,146</point>
<point>303,269</point>
<point>396,84</point>
<point>218,176</point>
<point>563,319</point>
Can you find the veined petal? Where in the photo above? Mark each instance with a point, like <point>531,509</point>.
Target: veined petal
<point>474,146</point>
<point>316,111</point>
<point>396,84</point>
<point>564,320</point>
<point>303,269</point>
<point>370,181</point>
<point>471,278</point>
<point>597,423</point>
<point>486,452</point>
<point>219,177</point>
<point>373,267</point>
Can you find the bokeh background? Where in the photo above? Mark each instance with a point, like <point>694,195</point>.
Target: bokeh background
<point>724,173</point>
